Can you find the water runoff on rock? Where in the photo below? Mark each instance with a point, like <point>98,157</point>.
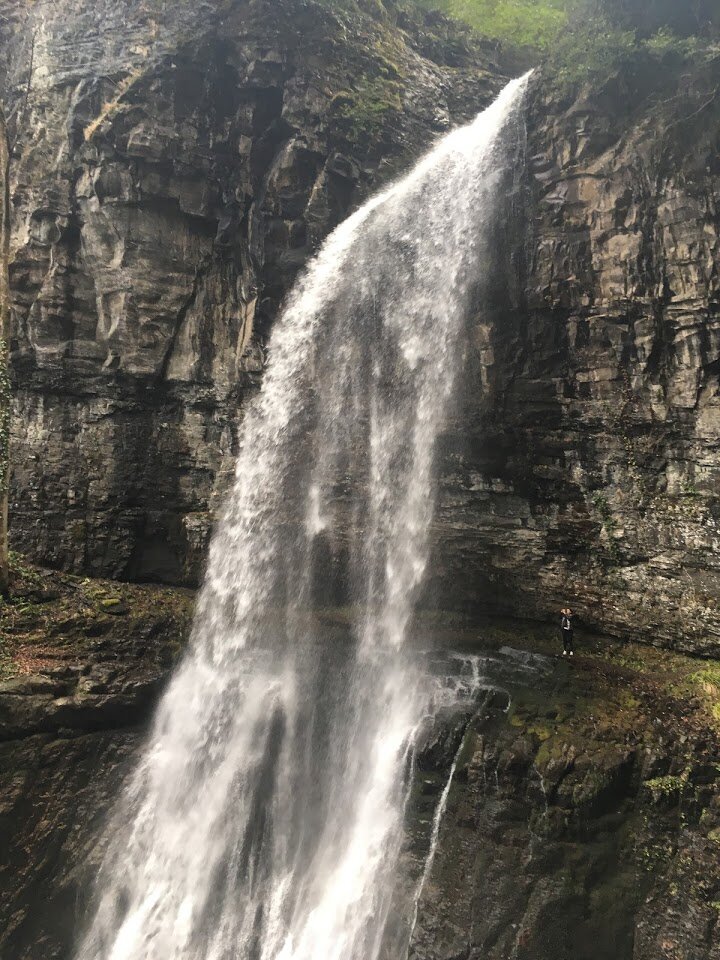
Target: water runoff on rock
<point>264,819</point>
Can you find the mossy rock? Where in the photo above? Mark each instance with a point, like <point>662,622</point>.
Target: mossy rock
<point>115,606</point>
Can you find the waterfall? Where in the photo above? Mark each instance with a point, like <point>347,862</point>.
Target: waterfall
<point>264,818</point>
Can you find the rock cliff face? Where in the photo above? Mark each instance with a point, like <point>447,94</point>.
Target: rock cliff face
<point>174,165</point>
<point>590,469</point>
<point>173,168</point>
<point>81,665</point>
<point>582,819</point>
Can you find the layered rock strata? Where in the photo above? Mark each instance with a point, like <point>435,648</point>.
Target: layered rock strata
<point>585,468</point>
<point>174,165</point>
<point>173,169</point>
<point>582,818</point>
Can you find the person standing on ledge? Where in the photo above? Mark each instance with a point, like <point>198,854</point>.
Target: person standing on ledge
<point>566,630</point>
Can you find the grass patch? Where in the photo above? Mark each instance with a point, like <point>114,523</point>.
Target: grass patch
<point>531,23</point>
<point>368,107</point>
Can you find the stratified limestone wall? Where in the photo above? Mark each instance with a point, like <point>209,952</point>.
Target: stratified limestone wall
<point>591,471</point>
<point>176,164</point>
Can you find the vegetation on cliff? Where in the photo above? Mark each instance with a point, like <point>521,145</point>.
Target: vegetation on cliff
<point>578,41</point>
<point>541,22</point>
<point>54,622</point>
<point>583,39</point>
<point>535,23</point>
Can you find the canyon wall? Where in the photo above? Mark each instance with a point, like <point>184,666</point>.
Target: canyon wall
<point>582,818</point>
<point>173,168</point>
<point>174,165</point>
<point>590,471</point>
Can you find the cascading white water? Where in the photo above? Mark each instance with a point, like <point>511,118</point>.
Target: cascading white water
<point>264,819</point>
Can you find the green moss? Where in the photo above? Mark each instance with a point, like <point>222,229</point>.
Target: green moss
<point>655,856</point>
<point>703,684</point>
<point>389,53</point>
<point>20,569</point>
<point>50,617</point>
<point>532,727</point>
<point>369,106</point>
<point>551,751</point>
<point>709,677</point>
<point>667,786</point>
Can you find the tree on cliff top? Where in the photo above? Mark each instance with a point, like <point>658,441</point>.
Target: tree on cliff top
<point>585,41</point>
<point>4,351</point>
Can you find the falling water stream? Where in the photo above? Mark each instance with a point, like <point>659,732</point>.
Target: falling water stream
<point>265,817</point>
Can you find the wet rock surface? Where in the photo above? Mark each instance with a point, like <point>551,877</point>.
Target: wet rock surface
<point>582,819</point>
<point>81,666</point>
<point>57,790</point>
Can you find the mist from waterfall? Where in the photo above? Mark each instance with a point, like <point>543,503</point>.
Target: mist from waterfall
<point>265,817</point>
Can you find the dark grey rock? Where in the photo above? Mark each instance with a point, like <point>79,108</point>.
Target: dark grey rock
<point>174,166</point>
<point>585,464</point>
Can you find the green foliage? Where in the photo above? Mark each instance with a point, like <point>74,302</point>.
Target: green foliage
<point>535,23</point>
<point>595,45</point>
<point>21,569</point>
<point>684,18</point>
<point>592,47</point>
<point>666,42</point>
<point>585,40</point>
<point>667,787</point>
<point>708,682</point>
<point>368,106</point>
